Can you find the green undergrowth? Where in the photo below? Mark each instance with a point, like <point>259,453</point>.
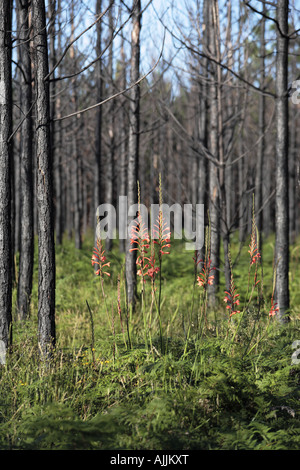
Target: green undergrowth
<point>212,387</point>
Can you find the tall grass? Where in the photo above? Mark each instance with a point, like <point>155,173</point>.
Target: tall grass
<point>174,375</point>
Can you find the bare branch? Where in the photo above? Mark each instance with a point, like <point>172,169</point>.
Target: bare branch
<point>214,60</point>
<point>76,39</point>
<point>97,58</point>
<point>287,36</point>
<point>76,113</point>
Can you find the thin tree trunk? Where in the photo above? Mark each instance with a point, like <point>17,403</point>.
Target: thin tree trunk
<point>52,61</point>
<point>75,155</point>
<point>59,225</point>
<point>267,170</point>
<point>261,127</point>
<point>15,189</point>
<point>46,256</point>
<point>123,159</point>
<point>282,200</point>
<point>194,163</point>
<point>55,111</point>
<point>214,200</point>
<point>202,162</point>
<point>293,160</point>
<point>76,183</point>
<point>5,182</point>
<point>133,144</point>
<point>111,150</point>
<point>69,203</point>
<point>202,127</point>
<point>26,210</point>
<point>220,150</point>
<point>99,87</point>
<point>243,162</point>
<point>228,130</point>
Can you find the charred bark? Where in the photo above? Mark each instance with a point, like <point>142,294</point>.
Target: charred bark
<point>46,255</point>
<point>26,180</point>
<point>282,146</point>
<point>5,181</point>
<point>133,144</point>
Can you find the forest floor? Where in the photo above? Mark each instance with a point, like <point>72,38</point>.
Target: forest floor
<point>193,381</point>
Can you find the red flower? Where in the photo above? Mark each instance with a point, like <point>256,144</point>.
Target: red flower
<point>205,277</point>
<point>152,271</point>
<point>99,259</point>
<point>149,268</point>
<point>163,235</point>
<point>274,309</point>
<point>139,235</point>
<point>201,280</point>
<point>254,254</point>
<point>253,249</point>
<point>232,299</point>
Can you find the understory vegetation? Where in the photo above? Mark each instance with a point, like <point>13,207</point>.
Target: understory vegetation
<point>180,379</point>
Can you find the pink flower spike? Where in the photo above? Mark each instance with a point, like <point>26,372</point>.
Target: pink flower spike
<point>98,258</point>
<point>274,309</point>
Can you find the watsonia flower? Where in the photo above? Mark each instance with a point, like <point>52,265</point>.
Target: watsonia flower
<point>140,238</point>
<point>161,231</point>
<point>232,298</point>
<point>253,248</point>
<point>274,308</point>
<point>162,235</point>
<point>99,258</point>
<point>205,277</point>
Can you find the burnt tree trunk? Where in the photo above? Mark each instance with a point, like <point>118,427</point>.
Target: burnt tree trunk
<point>224,208</point>
<point>123,159</point>
<point>282,196</point>
<point>203,130</point>
<point>133,144</point>
<point>26,189</point>
<point>77,216</point>
<point>293,156</point>
<point>214,199</point>
<point>55,112</point>
<point>58,147</point>
<point>111,132</point>
<point>98,193</point>
<point>5,181</point>
<point>46,249</point>
<point>261,126</point>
